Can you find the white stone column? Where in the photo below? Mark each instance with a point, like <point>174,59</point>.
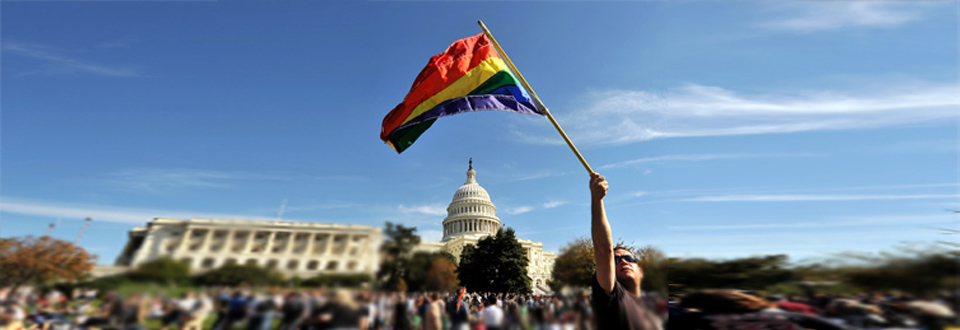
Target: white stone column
<point>330,241</point>
<point>183,242</point>
<point>205,246</point>
<point>269,245</point>
<point>310,240</point>
<point>228,243</point>
<point>251,235</point>
<point>291,241</point>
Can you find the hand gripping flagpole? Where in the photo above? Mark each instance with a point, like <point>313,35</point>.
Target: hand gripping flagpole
<point>537,99</point>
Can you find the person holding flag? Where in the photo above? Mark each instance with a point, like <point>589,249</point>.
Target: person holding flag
<point>459,311</point>
<point>617,301</point>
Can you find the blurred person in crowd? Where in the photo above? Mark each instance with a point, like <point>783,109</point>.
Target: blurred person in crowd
<point>12,316</point>
<point>459,312</point>
<point>341,312</point>
<point>583,313</point>
<point>727,309</point>
<point>932,315</point>
<point>792,306</point>
<point>172,314</point>
<point>135,312</point>
<point>511,312</point>
<point>384,310</point>
<point>432,313</point>
<point>492,315</point>
<point>292,311</point>
<point>401,313</point>
<point>364,310</point>
<point>236,310</point>
<point>198,312</point>
<point>261,317</point>
<point>221,306</point>
<point>616,287</point>
<point>109,315</point>
<point>855,314</point>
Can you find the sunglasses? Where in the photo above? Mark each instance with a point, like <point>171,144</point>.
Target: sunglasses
<point>627,258</point>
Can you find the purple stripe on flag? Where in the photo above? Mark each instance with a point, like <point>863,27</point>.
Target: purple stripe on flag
<point>475,103</point>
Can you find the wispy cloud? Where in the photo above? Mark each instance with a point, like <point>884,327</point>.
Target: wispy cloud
<point>638,194</point>
<point>812,16</point>
<point>702,157</point>
<point>554,204</point>
<point>322,206</point>
<point>618,117</point>
<point>837,222</point>
<point>518,210</point>
<point>542,174</point>
<point>158,180</point>
<point>433,209</point>
<point>918,191</point>
<point>812,198</point>
<point>103,213</point>
<point>65,64</point>
<point>515,210</point>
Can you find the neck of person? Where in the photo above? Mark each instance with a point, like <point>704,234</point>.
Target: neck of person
<point>631,287</point>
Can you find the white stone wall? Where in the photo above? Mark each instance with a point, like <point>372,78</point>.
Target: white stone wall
<point>293,248</point>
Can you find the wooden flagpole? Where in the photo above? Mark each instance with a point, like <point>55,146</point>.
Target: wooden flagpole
<point>537,99</point>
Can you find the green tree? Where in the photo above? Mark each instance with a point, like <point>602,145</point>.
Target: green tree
<point>498,263</point>
<point>234,275</point>
<point>920,272</point>
<point>162,270</point>
<point>754,273</point>
<point>575,266</point>
<point>395,252</point>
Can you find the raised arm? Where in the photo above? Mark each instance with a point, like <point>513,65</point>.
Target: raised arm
<point>600,232</point>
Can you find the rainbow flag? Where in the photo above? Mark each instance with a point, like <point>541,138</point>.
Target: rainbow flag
<point>460,300</point>
<point>469,76</point>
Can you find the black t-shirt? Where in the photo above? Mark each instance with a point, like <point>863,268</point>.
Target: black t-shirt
<point>266,305</point>
<point>342,317</point>
<point>766,319</point>
<point>621,310</point>
<point>401,321</point>
<point>293,309</point>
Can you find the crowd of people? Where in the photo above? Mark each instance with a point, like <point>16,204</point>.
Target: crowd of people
<point>615,301</point>
<point>226,309</point>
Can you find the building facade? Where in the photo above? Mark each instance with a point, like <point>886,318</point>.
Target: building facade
<point>471,216</point>
<point>307,249</point>
<point>301,249</point>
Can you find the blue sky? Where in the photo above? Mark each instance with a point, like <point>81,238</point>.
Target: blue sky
<point>726,128</point>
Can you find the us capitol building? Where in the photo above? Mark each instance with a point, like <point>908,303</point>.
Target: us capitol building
<point>471,216</point>
<point>306,249</point>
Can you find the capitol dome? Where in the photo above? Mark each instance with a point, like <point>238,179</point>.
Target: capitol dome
<point>470,212</point>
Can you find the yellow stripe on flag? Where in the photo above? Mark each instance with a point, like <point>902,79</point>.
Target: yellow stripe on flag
<point>466,84</point>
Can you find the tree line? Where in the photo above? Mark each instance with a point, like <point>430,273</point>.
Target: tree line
<point>498,263</point>
<point>917,271</point>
